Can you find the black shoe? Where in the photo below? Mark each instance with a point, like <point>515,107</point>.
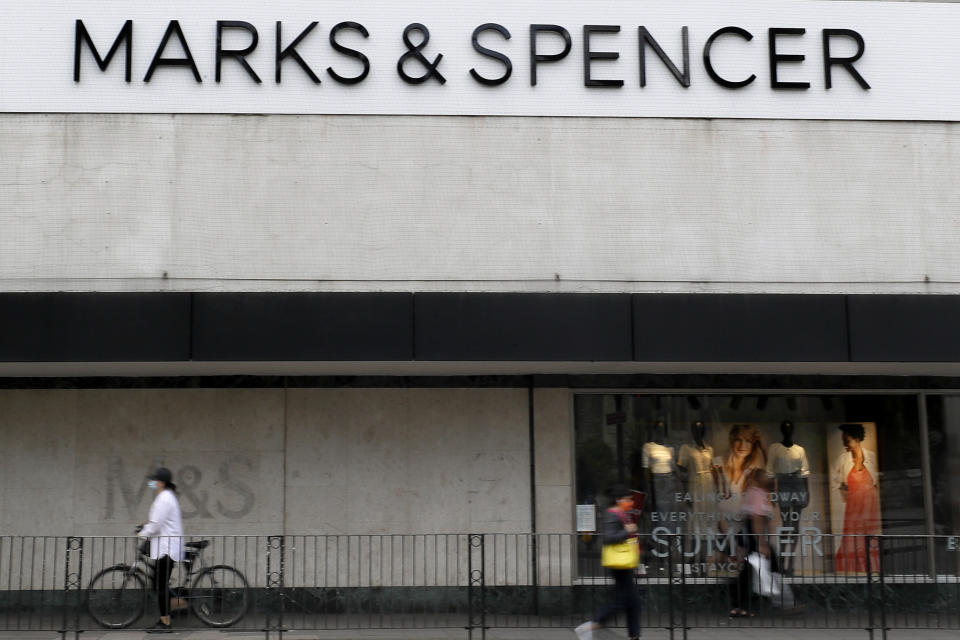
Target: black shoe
<point>160,627</point>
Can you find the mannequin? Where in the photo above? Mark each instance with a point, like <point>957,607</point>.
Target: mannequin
<point>696,463</point>
<point>659,469</point>
<point>788,466</point>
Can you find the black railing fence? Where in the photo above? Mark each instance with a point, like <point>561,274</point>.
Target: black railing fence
<point>473,582</point>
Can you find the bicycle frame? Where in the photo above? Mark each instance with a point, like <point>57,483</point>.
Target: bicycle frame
<point>147,566</point>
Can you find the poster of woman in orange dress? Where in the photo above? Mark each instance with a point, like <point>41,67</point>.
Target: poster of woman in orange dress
<point>855,497</point>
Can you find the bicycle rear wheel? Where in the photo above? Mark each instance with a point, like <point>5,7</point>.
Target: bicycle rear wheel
<point>116,597</point>
<point>220,596</point>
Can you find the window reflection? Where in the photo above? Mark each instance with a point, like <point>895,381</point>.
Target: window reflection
<point>943,419</point>
<point>836,464</point>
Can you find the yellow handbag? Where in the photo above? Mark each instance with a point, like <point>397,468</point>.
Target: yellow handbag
<point>623,555</point>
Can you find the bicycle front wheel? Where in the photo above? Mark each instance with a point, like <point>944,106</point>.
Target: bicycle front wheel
<point>116,597</point>
<point>220,596</point>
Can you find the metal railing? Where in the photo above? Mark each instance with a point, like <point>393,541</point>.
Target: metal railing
<point>473,582</point>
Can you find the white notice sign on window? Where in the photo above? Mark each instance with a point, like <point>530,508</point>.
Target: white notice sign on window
<point>586,518</point>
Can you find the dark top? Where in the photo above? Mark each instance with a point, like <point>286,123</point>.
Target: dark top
<point>613,530</point>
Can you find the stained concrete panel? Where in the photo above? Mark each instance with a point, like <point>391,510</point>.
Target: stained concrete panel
<point>114,422</point>
<point>37,439</point>
<point>409,460</point>
<point>554,436</point>
<point>37,430</point>
<point>376,488</point>
<point>326,514</point>
<point>553,414</point>
<point>36,511</point>
<point>316,444</point>
<point>268,461</point>
<point>396,468</point>
<point>224,446</point>
<point>75,462</point>
<point>159,202</point>
<point>555,513</point>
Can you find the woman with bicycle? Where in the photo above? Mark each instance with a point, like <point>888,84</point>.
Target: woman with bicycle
<point>165,532</point>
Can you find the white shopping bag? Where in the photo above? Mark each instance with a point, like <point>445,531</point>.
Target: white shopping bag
<point>769,583</point>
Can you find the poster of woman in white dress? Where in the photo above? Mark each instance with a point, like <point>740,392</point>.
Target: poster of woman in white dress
<point>854,495</point>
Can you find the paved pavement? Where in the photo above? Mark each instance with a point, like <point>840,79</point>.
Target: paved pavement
<point>495,634</point>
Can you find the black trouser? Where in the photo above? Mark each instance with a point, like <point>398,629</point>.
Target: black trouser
<point>741,593</point>
<point>164,568</point>
<point>625,598</point>
<point>740,596</point>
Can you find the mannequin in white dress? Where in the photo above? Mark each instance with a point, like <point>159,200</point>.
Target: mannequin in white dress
<point>695,463</point>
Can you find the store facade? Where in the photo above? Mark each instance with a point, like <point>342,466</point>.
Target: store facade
<point>415,445</point>
<point>407,306</point>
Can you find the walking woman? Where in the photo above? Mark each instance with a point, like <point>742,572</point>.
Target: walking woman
<point>757,516</point>
<point>618,527</point>
<point>744,468</point>
<point>165,532</point>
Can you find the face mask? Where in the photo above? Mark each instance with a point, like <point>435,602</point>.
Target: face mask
<point>152,484</point>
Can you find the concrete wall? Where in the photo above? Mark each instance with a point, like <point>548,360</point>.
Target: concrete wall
<point>269,461</point>
<point>408,461</point>
<point>154,202</point>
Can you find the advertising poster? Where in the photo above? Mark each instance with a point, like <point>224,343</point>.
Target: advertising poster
<point>854,495</point>
<point>796,481</point>
<point>819,482</point>
<point>713,472</point>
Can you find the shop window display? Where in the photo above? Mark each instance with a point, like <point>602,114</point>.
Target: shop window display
<point>836,464</point>
<point>944,440</point>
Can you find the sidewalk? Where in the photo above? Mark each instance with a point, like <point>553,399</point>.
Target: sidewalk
<point>495,634</point>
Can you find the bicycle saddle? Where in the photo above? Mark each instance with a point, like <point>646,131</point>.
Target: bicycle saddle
<point>199,544</point>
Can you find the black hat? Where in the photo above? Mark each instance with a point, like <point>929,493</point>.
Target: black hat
<point>162,474</point>
<point>618,491</point>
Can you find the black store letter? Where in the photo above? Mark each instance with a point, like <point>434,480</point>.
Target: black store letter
<point>490,53</point>
<point>239,54</point>
<point>708,63</point>
<point>125,35</point>
<point>159,61</point>
<point>589,55</point>
<point>291,52</point>
<point>846,63</point>
<point>546,57</point>
<point>416,51</point>
<point>647,38</point>
<point>353,53</point>
<point>777,58</point>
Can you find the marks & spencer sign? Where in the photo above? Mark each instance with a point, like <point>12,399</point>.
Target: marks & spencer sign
<point>777,59</point>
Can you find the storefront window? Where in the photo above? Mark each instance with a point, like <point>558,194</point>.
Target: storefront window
<point>943,419</point>
<point>831,464</point>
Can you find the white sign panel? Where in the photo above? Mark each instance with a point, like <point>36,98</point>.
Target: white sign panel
<point>586,518</point>
<point>772,59</point>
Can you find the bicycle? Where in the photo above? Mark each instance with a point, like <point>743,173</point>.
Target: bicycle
<point>219,595</point>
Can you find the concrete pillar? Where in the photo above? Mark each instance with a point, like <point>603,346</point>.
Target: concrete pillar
<point>553,422</point>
